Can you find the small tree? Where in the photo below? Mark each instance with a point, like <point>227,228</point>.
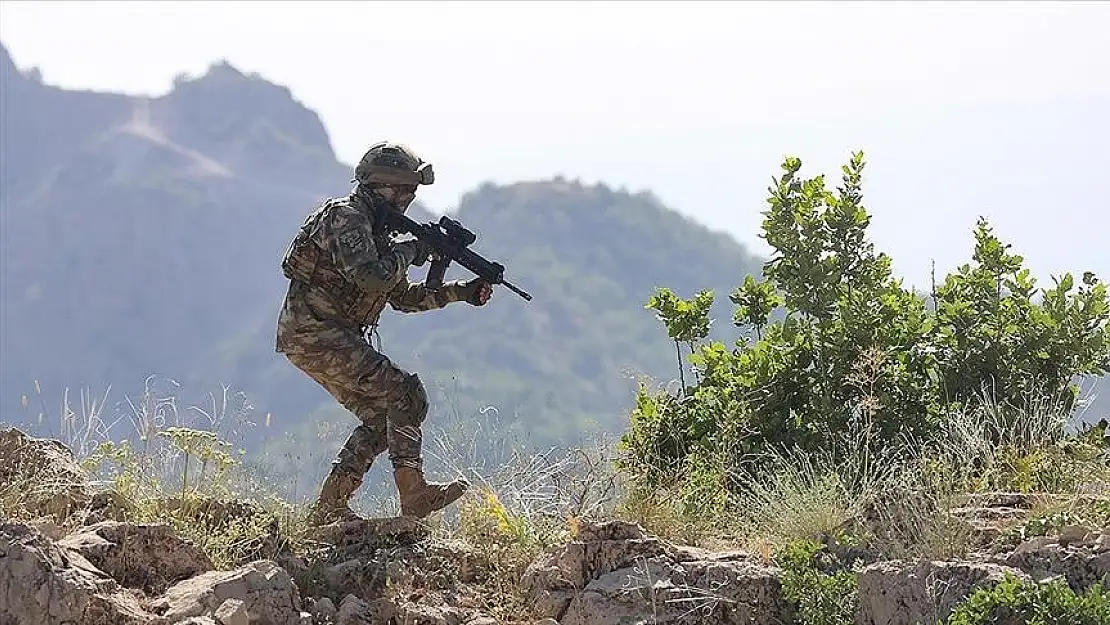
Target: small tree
<point>852,343</point>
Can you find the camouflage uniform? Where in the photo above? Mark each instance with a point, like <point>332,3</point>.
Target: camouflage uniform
<point>343,270</point>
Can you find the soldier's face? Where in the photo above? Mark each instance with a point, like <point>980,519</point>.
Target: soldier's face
<point>398,196</point>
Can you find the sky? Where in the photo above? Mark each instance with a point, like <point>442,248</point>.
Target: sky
<point>963,109</point>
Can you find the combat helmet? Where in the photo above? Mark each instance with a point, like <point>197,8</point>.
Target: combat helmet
<point>391,163</point>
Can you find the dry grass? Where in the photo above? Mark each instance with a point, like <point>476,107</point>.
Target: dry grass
<point>813,497</point>
<point>895,498</point>
<point>163,463</point>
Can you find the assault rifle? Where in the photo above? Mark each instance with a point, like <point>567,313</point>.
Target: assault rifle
<point>451,241</point>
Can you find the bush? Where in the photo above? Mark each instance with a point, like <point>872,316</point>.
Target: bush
<point>1013,601</point>
<point>836,339</point>
<point>819,598</point>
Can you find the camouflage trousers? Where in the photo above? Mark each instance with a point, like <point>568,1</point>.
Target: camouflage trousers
<point>390,402</point>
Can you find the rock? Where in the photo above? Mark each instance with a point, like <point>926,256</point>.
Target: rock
<point>355,611</point>
<point>552,580</point>
<point>366,572</point>
<point>148,557</point>
<point>51,483</point>
<point>660,590</point>
<point>612,573</point>
<point>1034,544</point>
<point>1072,534</point>
<point>42,583</point>
<point>232,612</point>
<point>48,529</point>
<point>423,614</point>
<point>324,609</point>
<point>908,593</point>
<point>354,577</point>
<point>1080,556</point>
<point>988,515</point>
<point>352,611</point>
<point>265,588</point>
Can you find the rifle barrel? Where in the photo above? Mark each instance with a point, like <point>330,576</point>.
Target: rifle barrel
<point>516,290</point>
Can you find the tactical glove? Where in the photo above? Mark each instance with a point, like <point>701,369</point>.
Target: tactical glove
<point>475,292</point>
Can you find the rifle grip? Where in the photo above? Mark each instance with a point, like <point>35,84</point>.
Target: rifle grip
<point>436,271</point>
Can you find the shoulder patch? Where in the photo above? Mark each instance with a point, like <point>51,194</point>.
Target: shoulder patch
<point>353,239</point>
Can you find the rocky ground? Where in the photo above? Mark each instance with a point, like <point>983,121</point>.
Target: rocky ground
<point>102,569</point>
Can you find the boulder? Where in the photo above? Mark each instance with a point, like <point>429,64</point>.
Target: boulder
<point>1079,555</point>
<point>907,593</point>
<point>44,584</point>
<point>266,592</point>
<point>725,590</point>
<point>50,481</point>
<point>612,573</point>
<point>148,557</point>
<point>356,611</point>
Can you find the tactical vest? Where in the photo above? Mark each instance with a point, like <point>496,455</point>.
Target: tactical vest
<point>306,262</point>
<point>303,255</point>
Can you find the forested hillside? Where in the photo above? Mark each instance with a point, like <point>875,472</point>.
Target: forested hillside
<point>143,238</point>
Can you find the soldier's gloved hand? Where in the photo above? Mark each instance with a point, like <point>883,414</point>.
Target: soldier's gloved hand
<point>420,250</point>
<point>476,292</point>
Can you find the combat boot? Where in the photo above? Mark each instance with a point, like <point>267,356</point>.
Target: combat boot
<point>332,505</point>
<point>419,498</point>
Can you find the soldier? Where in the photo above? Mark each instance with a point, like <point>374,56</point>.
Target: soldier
<point>343,268</point>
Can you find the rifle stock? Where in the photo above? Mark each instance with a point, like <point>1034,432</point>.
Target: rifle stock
<point>451,242</point>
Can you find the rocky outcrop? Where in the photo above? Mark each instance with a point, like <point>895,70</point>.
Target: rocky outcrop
<point>722,589</point>
<point>897,593</point>
<point>147,557</point>
<point>42,583</point>
<point>908,593</point>
<point>987,514</point>
<point>612,573</point>
<point>260,592</point>
<point>390,568</point>
<point>51,484</point>
<point>1079,555</point>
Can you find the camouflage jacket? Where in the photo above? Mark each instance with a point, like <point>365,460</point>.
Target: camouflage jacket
<point>342,274</point>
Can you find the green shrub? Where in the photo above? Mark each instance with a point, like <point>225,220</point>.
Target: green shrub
<point>1013,601</point>
<point>819,598</point>
<point>849,342</point>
